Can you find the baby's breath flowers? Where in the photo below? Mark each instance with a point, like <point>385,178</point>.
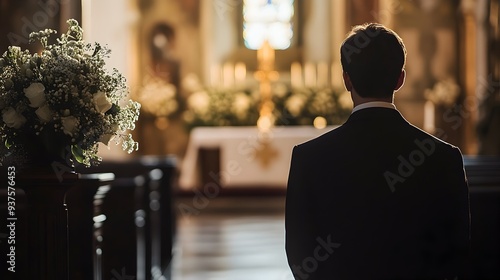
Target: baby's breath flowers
<point>301,106</point>
<point>66,93</point>
<point>292,106</point>
<point>222,107</point>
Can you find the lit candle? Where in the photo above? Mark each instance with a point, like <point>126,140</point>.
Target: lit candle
<point>429,117</point>
<point>296,74</point>
<point>310,75</point>
<point>228,74</point>
<point>265,53</point>
<point>322,74</point>
<point>240,72</point>
<point>215,75</point>
<point>336,76</point>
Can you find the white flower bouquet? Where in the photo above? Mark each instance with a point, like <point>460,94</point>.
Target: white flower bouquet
<point>292,106</point>
<point>222,107</point>
<point>61,102</point>
<point>301,106</point>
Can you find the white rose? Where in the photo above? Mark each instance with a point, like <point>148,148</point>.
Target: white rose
<point>105,138</point>
<point>241,105</point>
<point>280,90</point>
<point>12,118</point>
<point>294,104</point>
<point>199,102</point>
<point>101,102</point>
<point>36,94</point>
<point>69,125</point>
<point>44,113</point>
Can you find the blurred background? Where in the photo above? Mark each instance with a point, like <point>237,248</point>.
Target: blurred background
<point>170,49</point>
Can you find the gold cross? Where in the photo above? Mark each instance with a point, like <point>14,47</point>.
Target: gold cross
<point>265,153</point>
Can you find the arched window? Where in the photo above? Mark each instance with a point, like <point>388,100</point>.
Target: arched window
<point>269,20</point>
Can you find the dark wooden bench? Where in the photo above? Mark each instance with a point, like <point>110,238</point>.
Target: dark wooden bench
<point>54,228</point>
<point>483,174</point>
<point>139,227</point>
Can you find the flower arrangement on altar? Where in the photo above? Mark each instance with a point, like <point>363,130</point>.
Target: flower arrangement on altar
<point>222,107</point>
<point>226,106</point>
<point>317,106</point>
<point>61,102</point>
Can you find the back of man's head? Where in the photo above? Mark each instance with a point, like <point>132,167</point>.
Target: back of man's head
<point>373,56</point>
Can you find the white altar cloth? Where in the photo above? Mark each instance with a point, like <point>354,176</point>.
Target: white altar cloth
<point>247,157</point>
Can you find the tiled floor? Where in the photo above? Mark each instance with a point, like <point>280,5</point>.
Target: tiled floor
<point>231,238</point>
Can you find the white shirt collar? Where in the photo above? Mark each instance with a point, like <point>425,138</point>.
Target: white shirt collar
<point>374,104</point>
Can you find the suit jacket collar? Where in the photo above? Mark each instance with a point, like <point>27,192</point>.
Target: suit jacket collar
<point>381,104</point>
<point>375,113</point>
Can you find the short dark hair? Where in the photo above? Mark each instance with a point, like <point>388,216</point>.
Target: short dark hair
<point>373,56</point>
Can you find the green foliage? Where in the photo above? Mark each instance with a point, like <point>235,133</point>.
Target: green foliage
<point>64,91</point>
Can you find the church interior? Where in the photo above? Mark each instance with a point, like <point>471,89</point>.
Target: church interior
<point>226,89</point>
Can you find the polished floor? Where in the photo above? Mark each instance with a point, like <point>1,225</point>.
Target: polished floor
<point>233,238</point>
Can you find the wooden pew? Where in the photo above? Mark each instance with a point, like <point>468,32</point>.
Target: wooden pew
<point>84,206</point>
<point>138,232</point>
<point>483,174</point>
<point>52,242</point>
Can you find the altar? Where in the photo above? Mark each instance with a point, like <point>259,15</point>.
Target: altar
<point>247,157</point>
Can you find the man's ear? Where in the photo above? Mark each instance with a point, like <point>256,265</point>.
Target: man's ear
<point>347,81</point>
<point>401,80</point>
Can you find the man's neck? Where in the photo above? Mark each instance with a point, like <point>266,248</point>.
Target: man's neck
<point>358,100</point>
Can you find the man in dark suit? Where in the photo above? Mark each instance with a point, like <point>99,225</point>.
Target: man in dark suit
<point>376,198</point>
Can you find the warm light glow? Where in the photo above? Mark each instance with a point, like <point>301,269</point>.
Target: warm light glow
<point>266,56</point>
<point>265,123</point>
<point>215,75</point>
<point>319,122</point>
<point>268,20</point>
<point>310,75</point>
<point>322,74</point>
<point>429,117</point>
<point>161,123</point>
<point>160,41</point>
<point>296,74</point>
<point>158,97</point>
<point>240,72</point>
<point>228,74</point>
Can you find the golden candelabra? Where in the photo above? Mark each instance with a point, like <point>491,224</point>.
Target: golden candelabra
<point>265,75</point>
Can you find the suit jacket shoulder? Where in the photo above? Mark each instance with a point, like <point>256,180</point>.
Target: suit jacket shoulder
<point>392,195</point>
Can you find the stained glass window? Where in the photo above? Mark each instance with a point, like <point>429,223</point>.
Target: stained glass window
<point>269,20</point>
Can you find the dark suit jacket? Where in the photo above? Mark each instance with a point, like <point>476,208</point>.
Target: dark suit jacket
<point>377,198</point>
